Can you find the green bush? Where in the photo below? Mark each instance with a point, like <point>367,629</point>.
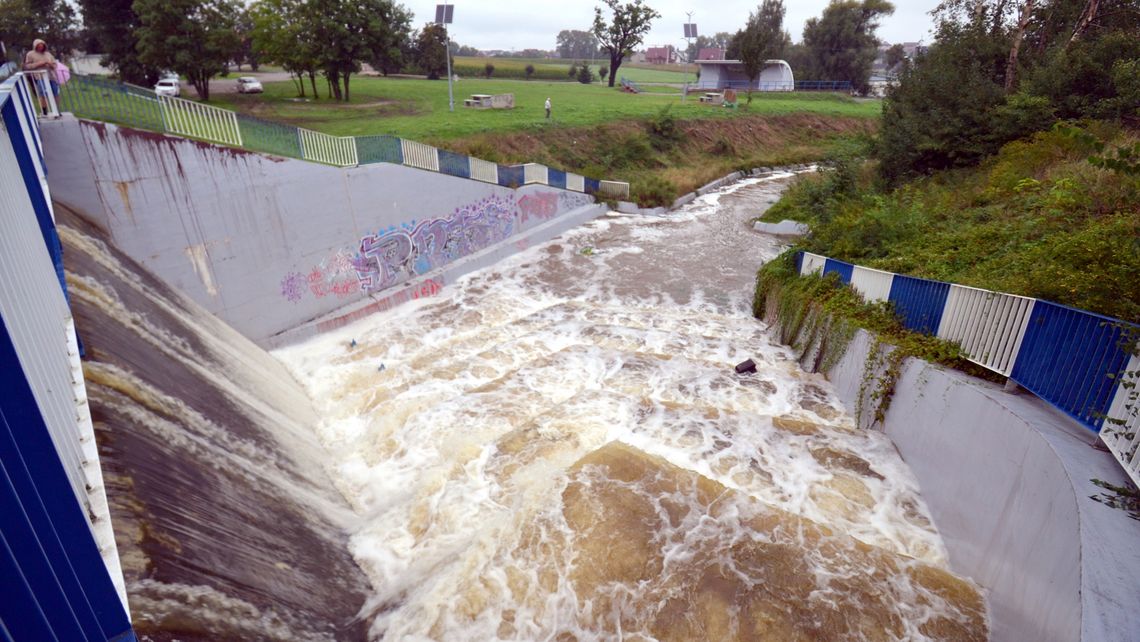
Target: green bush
<point>585,76</point>
<point>654,192</point>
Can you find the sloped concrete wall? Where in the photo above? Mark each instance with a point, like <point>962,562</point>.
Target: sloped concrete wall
<point>269,244</point>
<point>1008,480</point>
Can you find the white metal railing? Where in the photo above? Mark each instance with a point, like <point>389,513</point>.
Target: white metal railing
<point>196,120</point>
<point>988,326</point>
<point>812,264</point>
<point>41,84</point>
<point>330,150</point>
<point>615,189</point>
<point>420,155</point>
<point>1123,439</point>
<point>874,285</point>
<point>535,173</point>
<point>575,182</point>
<point>485,171</point>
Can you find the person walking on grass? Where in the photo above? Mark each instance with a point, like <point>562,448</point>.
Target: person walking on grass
<point>40,59</point>
<point>548,108</point>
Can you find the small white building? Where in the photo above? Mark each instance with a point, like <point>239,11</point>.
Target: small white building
<point>729,74</point>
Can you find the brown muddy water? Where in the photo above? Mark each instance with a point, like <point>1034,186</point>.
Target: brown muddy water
<point>558,448</point>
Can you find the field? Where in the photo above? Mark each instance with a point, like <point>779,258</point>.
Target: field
<point>417,109</point>
<point>553,69</point>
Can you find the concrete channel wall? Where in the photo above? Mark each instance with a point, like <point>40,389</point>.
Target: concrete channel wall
<point>1008,480</point>
<point>270,244</point>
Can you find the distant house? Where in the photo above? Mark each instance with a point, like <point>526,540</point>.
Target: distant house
<point>710,53</point>
<point>661,55</point>
<point>729,74</point>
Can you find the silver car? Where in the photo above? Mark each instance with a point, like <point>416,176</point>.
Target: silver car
<point>249,85</point>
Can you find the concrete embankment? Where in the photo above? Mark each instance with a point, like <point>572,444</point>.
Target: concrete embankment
<point>269,244</point>
<point>1008,480</point>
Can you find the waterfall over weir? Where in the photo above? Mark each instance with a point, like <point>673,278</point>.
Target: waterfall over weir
<point>556,448</point>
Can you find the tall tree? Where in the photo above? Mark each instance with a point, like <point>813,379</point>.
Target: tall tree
<point>627,29</point>
<point>431,50</point>
<point>283,35</point>
<point>22,21</point>
<point>353,31</point>
<point>194,38</point>
<point>842,41</point>
<point>575,44</point>
<point>762,38</point>
<point>113,23</point>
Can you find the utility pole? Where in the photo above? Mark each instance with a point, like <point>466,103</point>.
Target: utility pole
<point>443,15</point>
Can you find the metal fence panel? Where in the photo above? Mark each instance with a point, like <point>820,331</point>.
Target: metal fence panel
<point>511,176</point>
<point>454,164</point>
<point>379,149</point>
<point>575,183</point>
<point>919,302</point>
<point>420,155</point>
<point>613,189</point>
<point>330,150</point>
<point>534,173</point>
<point>873,285</point>
<point>196,120</point>
<point>556,178</point>
<point>1073,359</point>
<point>812,264</point>
<point>100,99</point>
<point>1122,436</point>
<point>592,186</point>
<point>989,326</point>
<point>269,137</point>
<point>841,268</point>
<point>485,171</point>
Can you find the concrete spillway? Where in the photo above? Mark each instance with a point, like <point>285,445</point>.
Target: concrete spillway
<point>553,448</point>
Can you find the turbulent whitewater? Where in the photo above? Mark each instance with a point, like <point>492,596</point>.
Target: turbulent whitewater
<point>558,448</point>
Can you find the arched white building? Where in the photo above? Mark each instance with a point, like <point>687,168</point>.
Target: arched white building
<point>729,74</point>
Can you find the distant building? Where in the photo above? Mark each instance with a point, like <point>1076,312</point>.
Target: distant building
<point>711,53</point>
<point>729,74</point>
<point>661,55</point>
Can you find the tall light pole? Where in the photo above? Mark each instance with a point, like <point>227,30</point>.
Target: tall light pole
<point>443,15</point>
<point>690,33</point>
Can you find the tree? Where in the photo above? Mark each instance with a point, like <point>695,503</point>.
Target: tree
<point>572,43</point>
<point>894,57</point>
<point>245,52</point>
<point>761,39</point>
<point>22,21</point>
<point>627,29</point>
<point>431,51</point>
<point>585,75</point>
<point>283,33</point>
<point>842,42</point>
<point>467,51</point>
<point>194,38</point>
<point>113,24</point>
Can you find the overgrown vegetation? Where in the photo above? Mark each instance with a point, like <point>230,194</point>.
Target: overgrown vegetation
<point>818,317</point>
<point>1038,219</point>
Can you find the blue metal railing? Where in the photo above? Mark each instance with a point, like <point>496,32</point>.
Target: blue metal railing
<point>1073,359</point>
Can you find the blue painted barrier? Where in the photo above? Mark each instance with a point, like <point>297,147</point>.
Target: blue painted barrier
<point>454,164</point>
<point>919,302</point>
<point>556,178</point>
<point>511,176</point>
<point>844,270</point>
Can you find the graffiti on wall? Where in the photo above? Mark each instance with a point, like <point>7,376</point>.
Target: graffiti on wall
<point>400,253</point>
<point>539,205</point>
<point>335,275</point>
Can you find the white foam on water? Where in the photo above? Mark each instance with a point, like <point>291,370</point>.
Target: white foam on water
<point>453,424</point>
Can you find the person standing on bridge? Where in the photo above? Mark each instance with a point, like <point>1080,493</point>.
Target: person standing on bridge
<point>548,108</point>
<point>40,59</point>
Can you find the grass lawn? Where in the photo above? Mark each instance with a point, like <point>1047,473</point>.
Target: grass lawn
<point>417,109</point>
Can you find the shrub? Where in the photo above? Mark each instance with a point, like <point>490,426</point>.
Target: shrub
<point>529,71</point>
<point>663,128</point>
<point>585,76</point>
<point>603,71</point>
<point>654,192</point>
<point>488,69</point>
<point>573,71</point>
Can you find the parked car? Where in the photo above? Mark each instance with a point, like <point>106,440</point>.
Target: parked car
<point>168,87</point>
<point>249,85</point>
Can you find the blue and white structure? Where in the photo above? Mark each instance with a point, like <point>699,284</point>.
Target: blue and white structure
<point>58,560</point>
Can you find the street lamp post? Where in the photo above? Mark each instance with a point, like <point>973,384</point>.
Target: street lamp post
<point>690,33</point>
<point>443,15</point>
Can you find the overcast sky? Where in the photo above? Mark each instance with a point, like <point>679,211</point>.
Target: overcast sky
<point>513,25</point>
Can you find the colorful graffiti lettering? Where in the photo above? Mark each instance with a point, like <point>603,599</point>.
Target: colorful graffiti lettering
<point>574,200</point>
<point>543,205</point>
<point>293,286</point>
<point>333,276</point>
<point>398,254</point>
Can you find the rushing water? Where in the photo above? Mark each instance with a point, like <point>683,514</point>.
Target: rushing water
<point>558,448</point>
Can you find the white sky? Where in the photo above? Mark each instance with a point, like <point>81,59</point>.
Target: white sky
<point>515,24</point>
